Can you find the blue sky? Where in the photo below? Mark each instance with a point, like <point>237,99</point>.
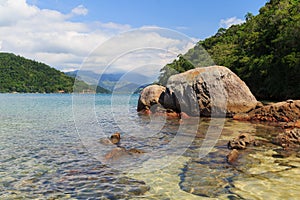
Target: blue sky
<point>65,33</point>
<point>196,18</point>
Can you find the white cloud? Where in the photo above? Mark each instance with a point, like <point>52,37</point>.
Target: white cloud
<point>51,37</point>
<point>48,35</point>
<point>137,49</point>
<point>80,10</point>
<point>13,10</point>
<point>226,23</point>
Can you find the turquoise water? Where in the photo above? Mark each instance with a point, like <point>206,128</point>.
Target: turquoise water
<point>50,148</point>
<point>42,156</point>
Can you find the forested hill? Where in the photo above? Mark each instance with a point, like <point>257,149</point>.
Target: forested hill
<point>264,51</point>
<point>18,74</point>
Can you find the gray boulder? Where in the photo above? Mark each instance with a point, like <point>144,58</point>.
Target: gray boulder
<point>211,91</point>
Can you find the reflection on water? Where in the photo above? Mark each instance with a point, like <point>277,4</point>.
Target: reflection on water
<point>43,157</point>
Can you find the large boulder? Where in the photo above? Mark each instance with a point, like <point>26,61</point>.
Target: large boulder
<point>208,91</point>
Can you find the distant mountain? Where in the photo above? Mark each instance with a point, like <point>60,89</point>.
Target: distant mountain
<point>94,76</point>
<point>116,82</point>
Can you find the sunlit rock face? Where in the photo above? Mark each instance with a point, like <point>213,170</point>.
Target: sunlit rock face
<point>207,91</point>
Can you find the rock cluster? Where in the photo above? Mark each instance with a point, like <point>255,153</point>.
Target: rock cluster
<point>287,111</point>
<point>288,139</point>
<point>118,152</point>
<point>239,143</point>
<point>209,91</point>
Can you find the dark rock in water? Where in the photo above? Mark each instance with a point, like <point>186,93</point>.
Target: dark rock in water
<point>139,190</point>
<point>232,156</point>
<point>135,151</point>
<point>288,139</point>
<point>121,152</point>
<point>115,138</point>
<point>209,177</point>
<point>116,154</point>
<point>241,142</point>
<point>287,111</point>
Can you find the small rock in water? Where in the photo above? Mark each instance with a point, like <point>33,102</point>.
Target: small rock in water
<point>241,141</point>
<point>115,138</point>
<point>232,156</point>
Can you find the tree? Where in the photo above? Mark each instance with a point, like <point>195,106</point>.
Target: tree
<point>179,65</point>
<point>249,16</point>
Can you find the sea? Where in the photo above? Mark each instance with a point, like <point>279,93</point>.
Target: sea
<point>56,146</point>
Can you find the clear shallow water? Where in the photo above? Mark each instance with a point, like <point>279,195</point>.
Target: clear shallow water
<point>42,156</point>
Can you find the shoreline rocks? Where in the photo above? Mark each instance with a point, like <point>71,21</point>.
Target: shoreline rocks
<point>287,111</point>
<point>288,139</point>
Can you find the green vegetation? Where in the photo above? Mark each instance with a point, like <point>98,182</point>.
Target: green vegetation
<point>18,74</point>
<point>264,51</point>
<point>179,65</point>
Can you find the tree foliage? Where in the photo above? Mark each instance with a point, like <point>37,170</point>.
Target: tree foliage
<point>264,51</point>
<point>18,74</point>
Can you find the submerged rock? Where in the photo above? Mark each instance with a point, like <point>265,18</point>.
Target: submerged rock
<point>232,156</point>
<point>116,154</point>
<point>288,139</point>
<point>121,152</point>
<point>207,177</point>
<point>241,142</point>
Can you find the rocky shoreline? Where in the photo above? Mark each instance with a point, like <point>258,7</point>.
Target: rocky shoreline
<point>213,92</point>
<point>217,92</point>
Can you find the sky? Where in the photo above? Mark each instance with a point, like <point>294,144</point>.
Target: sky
<point>69,34</point>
